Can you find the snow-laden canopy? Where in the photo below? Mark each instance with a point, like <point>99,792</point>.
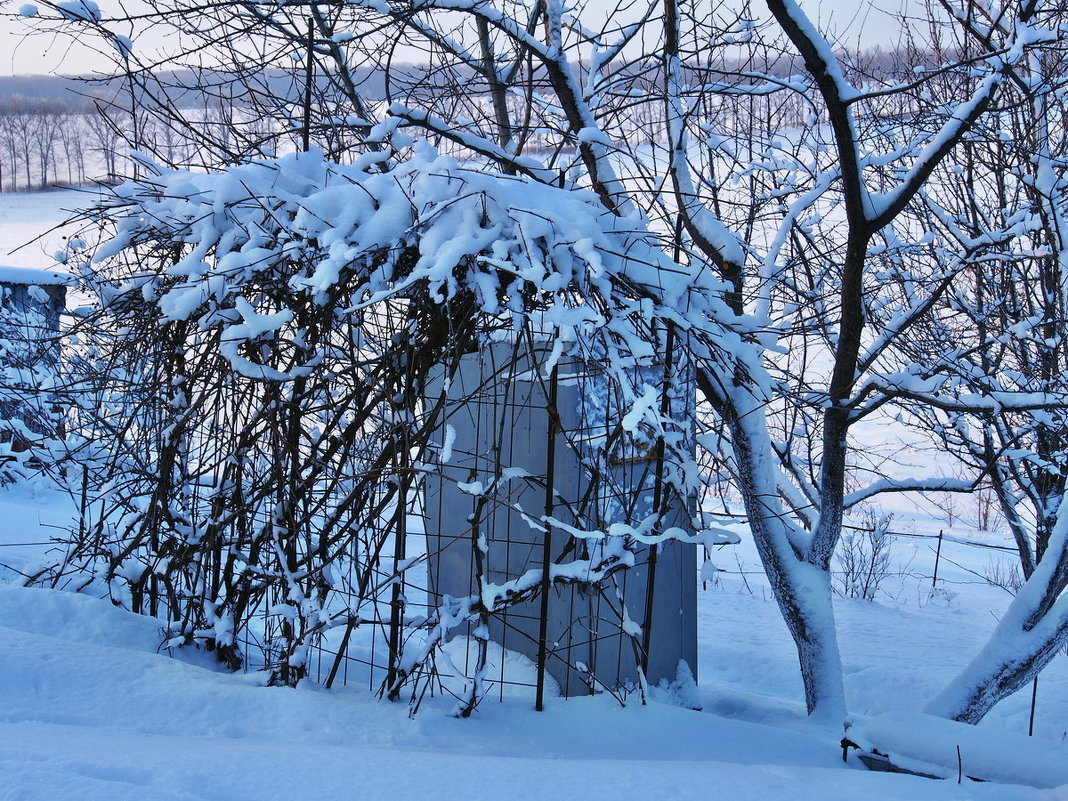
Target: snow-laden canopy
<point>428,226</point>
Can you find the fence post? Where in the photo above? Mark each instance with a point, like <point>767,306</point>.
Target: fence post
<point>938,555</point>
<point>546,547</point>
<point>1034,702</point>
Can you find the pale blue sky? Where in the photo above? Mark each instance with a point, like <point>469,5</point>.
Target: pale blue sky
<point>45,54</point>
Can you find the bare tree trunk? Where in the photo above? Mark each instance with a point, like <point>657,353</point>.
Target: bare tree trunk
<point>1030,633</point>
<point>802,588</point>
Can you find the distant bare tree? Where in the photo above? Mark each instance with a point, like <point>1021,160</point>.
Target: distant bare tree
<point>17,124</point>
<point>72,140</point>
<point>46,131</point>
<point>105,136</point>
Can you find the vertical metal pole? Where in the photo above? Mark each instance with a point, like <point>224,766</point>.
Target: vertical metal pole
<point>83,507</point>
<point>1034,700</point>
<point>546,546</point>
<point>658,501</point>
<point>938,555</point>
<point>394,675</point>
<point>396,605</point>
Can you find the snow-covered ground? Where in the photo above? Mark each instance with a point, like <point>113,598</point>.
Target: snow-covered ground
<point>31,225</point>
<point>90,710</point>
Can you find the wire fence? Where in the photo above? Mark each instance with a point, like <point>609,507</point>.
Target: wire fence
<point>1004,574</point>
<point>358,654</point>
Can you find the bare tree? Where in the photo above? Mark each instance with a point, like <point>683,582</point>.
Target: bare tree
<point>105,126</point>
<point>45,130</point>
<point>18,126</point>
<point>72,140</point>
<point>999,345</point>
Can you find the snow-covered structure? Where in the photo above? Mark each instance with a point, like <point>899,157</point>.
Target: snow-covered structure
<point>504,357</point>
<point>31,302</point>
<point>39,292</point>
<point>530,463</point>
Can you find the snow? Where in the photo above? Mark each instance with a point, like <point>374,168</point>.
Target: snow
<point>91,709</point>
<point>254,324</point>
<point>353,214</point>
<point>79,11</point>
<point>122,44</point>
<point>31,228</point>
<point>450,440</point>
<point>24,275</point>
<point>930,745</point>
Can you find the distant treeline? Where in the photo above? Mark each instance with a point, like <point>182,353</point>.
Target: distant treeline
<point>185,88</point>
<point>75,130</point>
<point>46,141</point>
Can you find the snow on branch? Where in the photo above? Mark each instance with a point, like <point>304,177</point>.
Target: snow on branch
<point>427,221</point>
<point>888,205</point>
<point>526,165</point>
<point>926,391</point>
<point>885,485</point>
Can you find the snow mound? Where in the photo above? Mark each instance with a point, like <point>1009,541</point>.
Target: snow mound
<point>929,745</point>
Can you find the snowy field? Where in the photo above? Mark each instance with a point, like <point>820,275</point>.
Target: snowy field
<point>31,228</point>
<point>90,710</point>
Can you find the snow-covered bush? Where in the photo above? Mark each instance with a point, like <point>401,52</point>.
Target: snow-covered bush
<point>258,408</point>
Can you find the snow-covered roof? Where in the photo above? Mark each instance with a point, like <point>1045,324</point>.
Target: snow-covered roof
<point>27,275</point>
